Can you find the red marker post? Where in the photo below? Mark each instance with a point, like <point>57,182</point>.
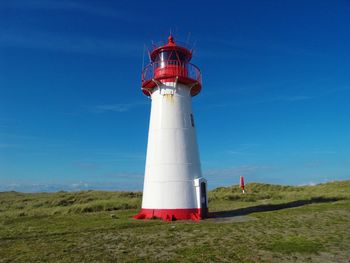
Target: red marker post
<point>241,183</point>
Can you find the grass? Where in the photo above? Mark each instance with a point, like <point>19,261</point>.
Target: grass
<point>295,244</point>
<point>270,223</point>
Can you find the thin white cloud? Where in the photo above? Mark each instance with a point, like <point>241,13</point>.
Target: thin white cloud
<point>335,90</point>
<point>68,5</point>
<point>231,48</point>
<point>232,172</point>
<point>280,99</point>
<point>324,152</point>
<point>9,146</point>
<point>110,155</point>
<point>87,166</point>
<point>20,38</point>
<point>112,107</point>
<point>296,98</point>
<point>119,107</point>
<point>315,164</point>
<point>126,176</point>
<point>308,184</point>
<point>244,149</point>
<point>293,98</point>
<point>71,44</point>
<point>267,100</point>
<point>72,186</point>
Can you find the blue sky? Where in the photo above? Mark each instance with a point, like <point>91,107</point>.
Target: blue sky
<point>274,105</point>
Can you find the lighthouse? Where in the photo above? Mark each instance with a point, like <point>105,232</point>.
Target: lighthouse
<point>174,188</point>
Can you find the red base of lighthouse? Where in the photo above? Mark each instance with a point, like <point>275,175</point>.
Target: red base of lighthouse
<point>171,214</point>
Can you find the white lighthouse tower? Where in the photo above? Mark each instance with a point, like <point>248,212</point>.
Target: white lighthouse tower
<point>173,186</point>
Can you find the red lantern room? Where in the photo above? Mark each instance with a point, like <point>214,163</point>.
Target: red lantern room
<point>170,62</point>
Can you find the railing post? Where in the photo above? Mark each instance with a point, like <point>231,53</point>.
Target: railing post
<point>183,69</point>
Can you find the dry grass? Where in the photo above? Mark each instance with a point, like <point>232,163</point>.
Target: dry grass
<point>268,224</point>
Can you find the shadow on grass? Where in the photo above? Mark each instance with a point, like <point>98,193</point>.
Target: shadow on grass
<point>271,207</point>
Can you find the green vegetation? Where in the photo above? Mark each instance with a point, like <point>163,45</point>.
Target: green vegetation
<point>270,223</point>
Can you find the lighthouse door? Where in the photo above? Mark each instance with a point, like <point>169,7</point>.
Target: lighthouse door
<point>204,207</point>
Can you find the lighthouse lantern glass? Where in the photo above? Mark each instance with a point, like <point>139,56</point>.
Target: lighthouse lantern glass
<point>170,57</point>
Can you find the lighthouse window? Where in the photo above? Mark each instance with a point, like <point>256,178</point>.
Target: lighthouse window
<point>164,55</point>
<point>167,55</point>
<point>170,57</point>
<point>192,120</point>
<point>157,58</point>
<point>173,56</point>
<point>182,57</point>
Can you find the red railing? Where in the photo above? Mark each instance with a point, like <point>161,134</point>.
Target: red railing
<point>171,68</point>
